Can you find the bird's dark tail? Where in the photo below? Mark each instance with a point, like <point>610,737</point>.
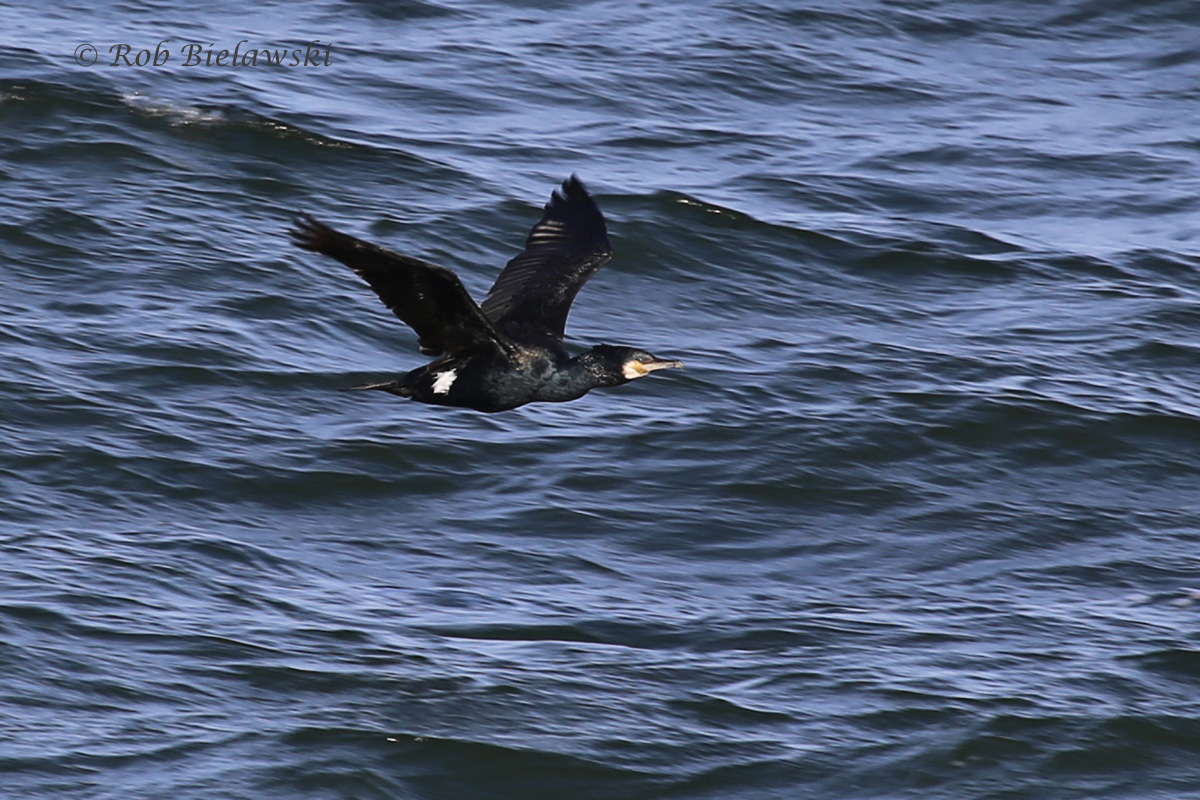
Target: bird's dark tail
<point>395,387</point>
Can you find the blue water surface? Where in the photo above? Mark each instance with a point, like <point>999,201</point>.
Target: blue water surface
<point>919,519</point>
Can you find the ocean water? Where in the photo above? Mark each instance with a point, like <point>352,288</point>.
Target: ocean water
<point>919,520</point>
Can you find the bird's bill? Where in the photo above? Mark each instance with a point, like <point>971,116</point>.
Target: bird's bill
<point>636,369</point>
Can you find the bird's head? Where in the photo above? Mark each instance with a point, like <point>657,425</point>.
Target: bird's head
<point>614,365</point>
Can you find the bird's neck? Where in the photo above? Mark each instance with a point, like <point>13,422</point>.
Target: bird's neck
<point>574,378</point>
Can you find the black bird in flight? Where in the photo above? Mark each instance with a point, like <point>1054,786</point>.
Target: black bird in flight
<point>508,351</point>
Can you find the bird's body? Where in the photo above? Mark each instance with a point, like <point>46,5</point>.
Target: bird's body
<point>508,351</point>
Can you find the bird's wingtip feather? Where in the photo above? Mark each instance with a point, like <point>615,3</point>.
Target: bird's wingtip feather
<point>309,233</point>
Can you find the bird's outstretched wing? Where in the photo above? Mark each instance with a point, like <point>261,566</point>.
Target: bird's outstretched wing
<point>533,294</point>
<point>429,299</point>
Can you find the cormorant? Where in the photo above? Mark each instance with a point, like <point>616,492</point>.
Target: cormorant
<point>509,350</point>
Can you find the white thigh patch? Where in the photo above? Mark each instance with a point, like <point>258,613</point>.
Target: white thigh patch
<point>443,381</point>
